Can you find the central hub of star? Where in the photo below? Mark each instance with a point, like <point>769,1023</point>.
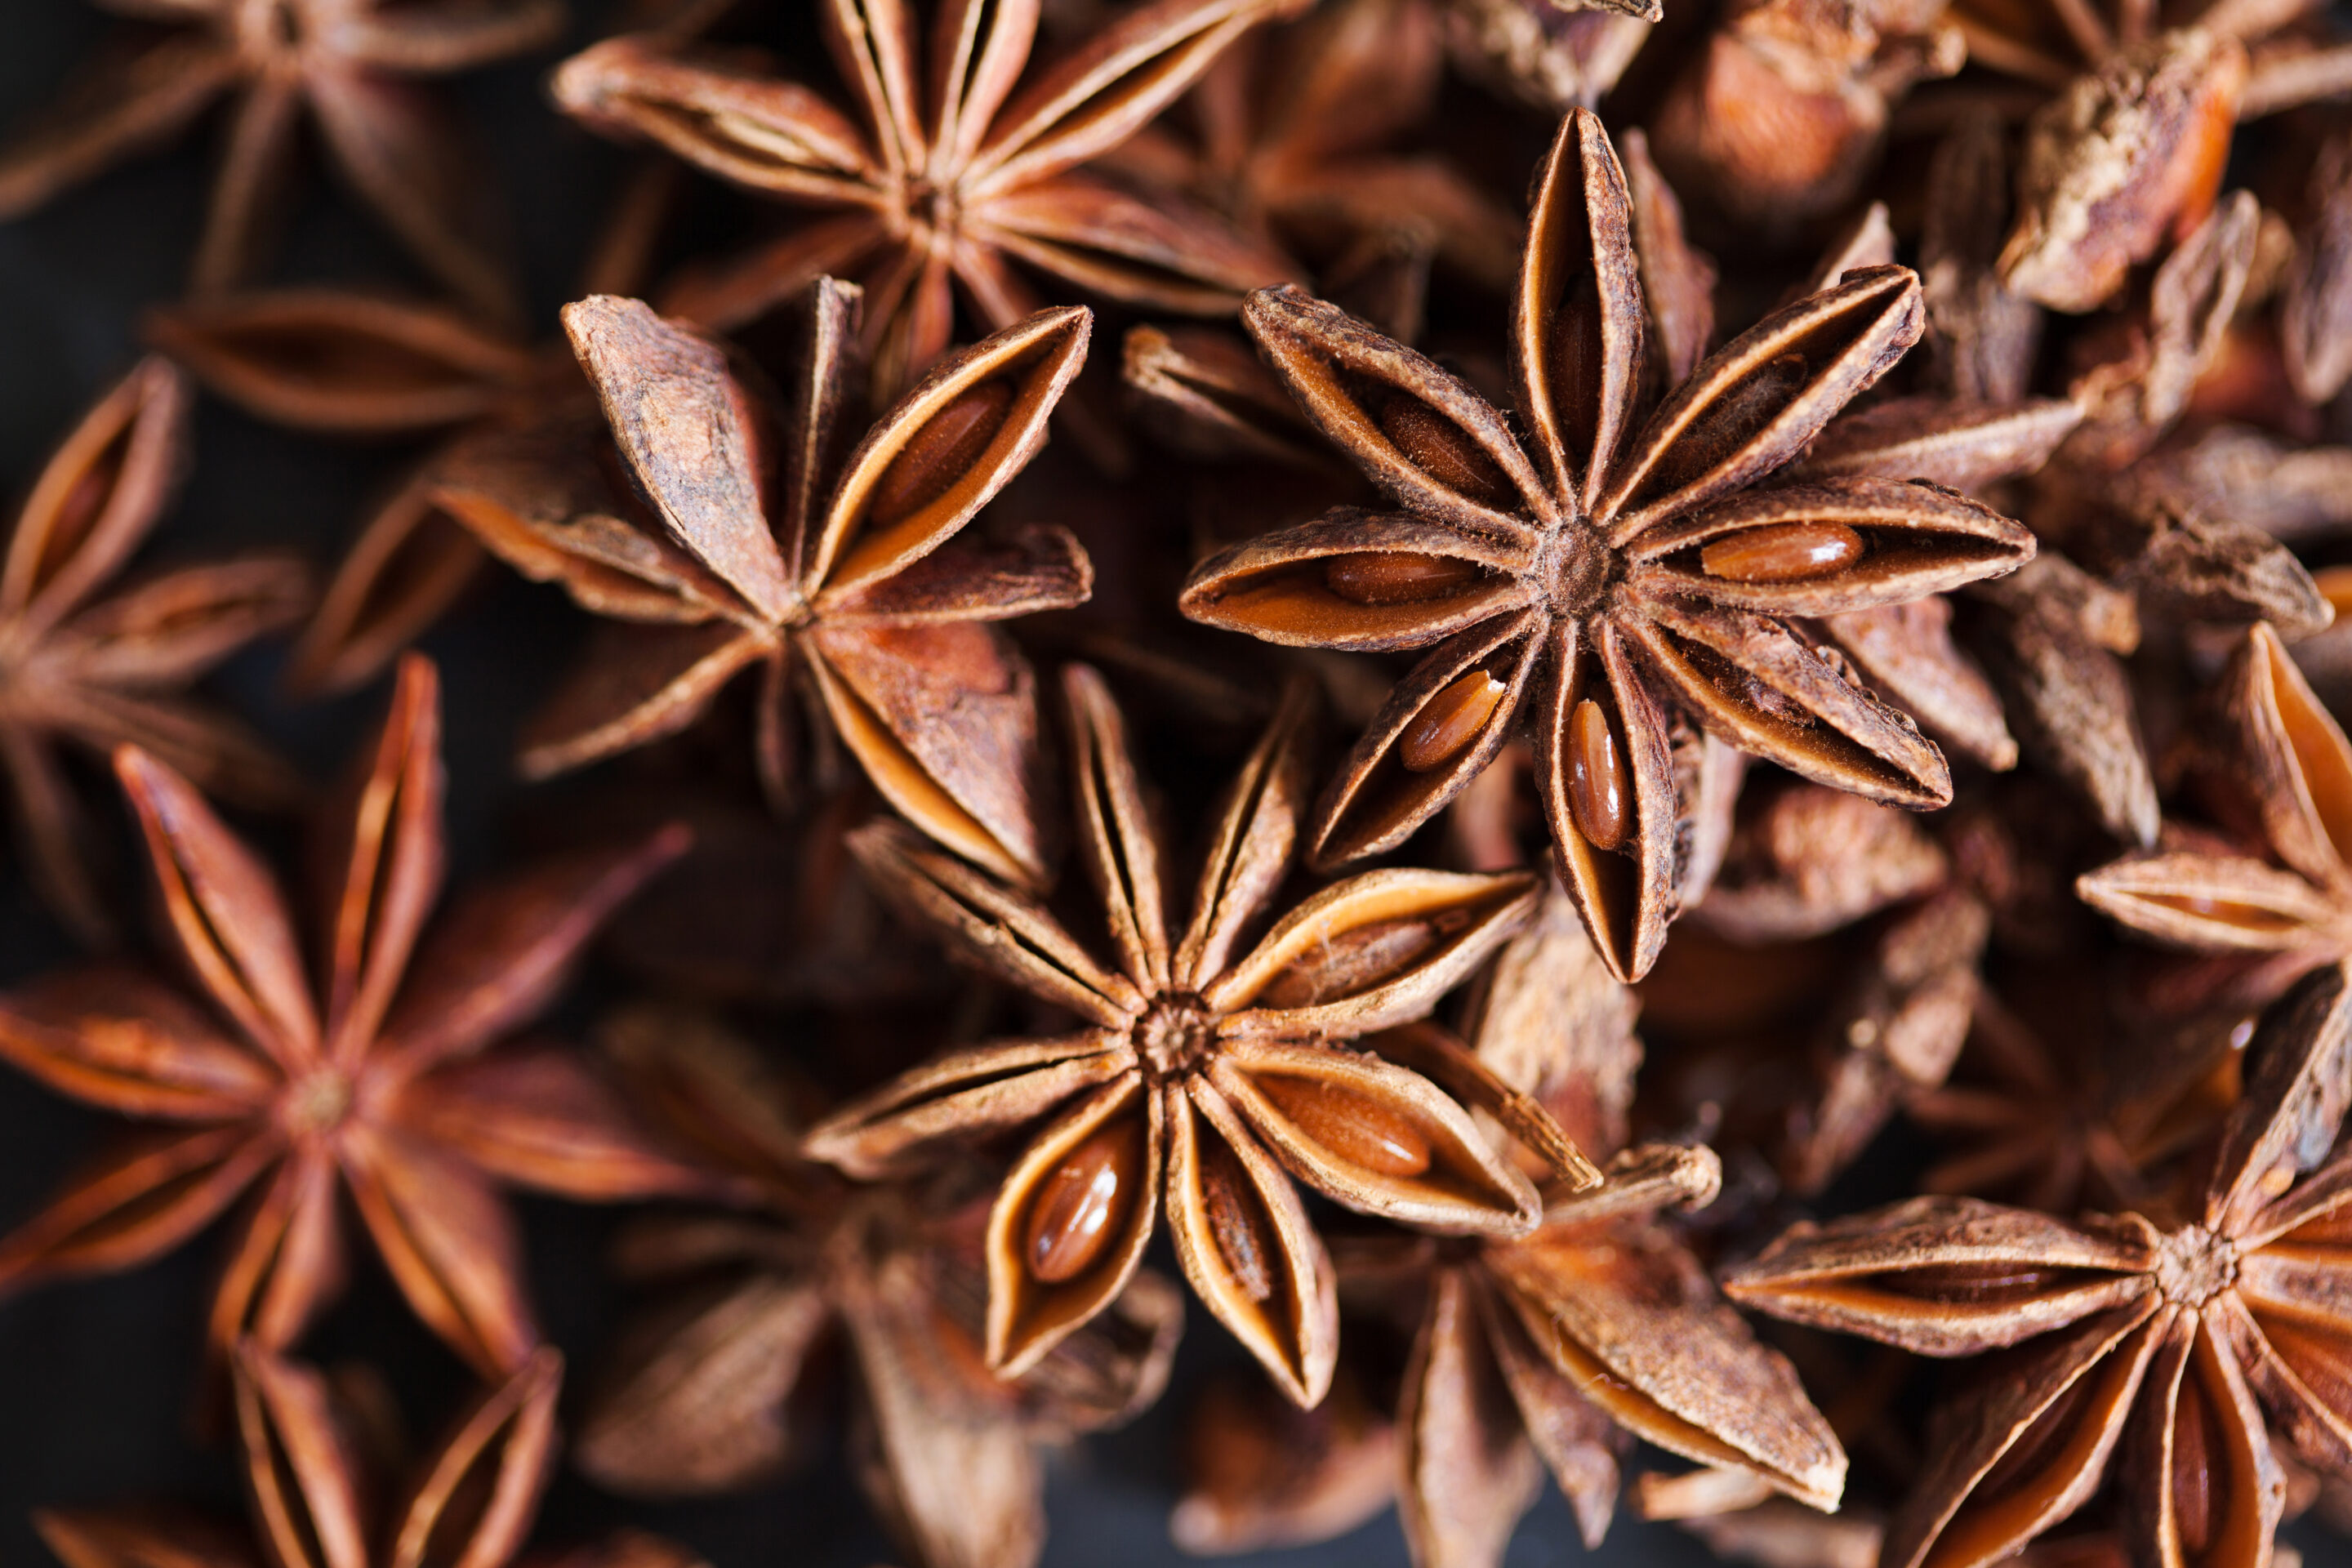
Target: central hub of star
<point>2193,1266</point>
<point>1577,568</point>
<point>316,1103</point>
<point>1173,1037</point>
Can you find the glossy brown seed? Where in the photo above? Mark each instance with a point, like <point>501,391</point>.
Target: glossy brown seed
<point>1076,1216</point>
<point>941,451</point>
<point>1574,352</point>
<point>1789,552</point>
<point>1450,721</point>
<point>1444,452</point>
<point>1600,789</point>
<point>1395,576</point>
<point>1234,1219</point>
<point>1356,1129</point>
<point>2193,1454</point>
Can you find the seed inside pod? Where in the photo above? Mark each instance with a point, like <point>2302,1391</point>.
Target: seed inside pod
<point>1235,1219</point>
<point>1449,722</point>
<point>1351,962</point>
<point>1444,450</point>
<point>1788,552</point>
<point>1974,1281</point>
<point>1354,1127</point>
<point>1076,1214</point>
<point>1395,576</point>
<point>941,452</point>
<point>2196,1446</point>
<point>1600,789</point>
<point>1574,352</point>
<point>1719,430</point>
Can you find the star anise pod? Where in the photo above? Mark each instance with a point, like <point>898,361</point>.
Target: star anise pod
<point>1261,1473</point>
<point>1633,571</point>
<point>305,1443</point>
<point>697,1398</point>
<point>1205,1078</point>
<point>1294,138</point>
<point>373,1075</point>
<point>351,364</point>
<point>2265,919</point>
<point>1550,57</point>
<point>2148,1337</point>
<point>850,576</point>
<point>1602,1323</point>
<point>346,61</point>
<point>99,669</point>
<point>947,180</point>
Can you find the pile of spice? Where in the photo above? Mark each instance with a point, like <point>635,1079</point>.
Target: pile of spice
<point>1614,733</point>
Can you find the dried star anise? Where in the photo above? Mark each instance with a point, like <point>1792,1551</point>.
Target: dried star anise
<point>947,180</point>
<point>849,576</point>
<point>374,1075</point>
<point>1224,1070</point>
<point>104,671</point>
<point>344,61</point>
<point>1547,1345</point>
<point>305,1440</point>
<point>2148,1336</point>
<point>1635,572</point>
<point>697,1399</point>
<point>1292,138</point>
<point>2265,921</point>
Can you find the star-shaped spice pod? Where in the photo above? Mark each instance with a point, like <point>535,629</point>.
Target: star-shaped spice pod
<point>303,1443</point>
<point>2263,921</point>
<point>344,61</point>
<point>1553,1346</point>
<point>101,670</point>
<point>947,180</point>
<point>1614,573</point>
<point>2148,1337</point>
<point>1220,1071</point>
<point>697,1399</point>
<point>767,548</point>
<point>373,1076</point>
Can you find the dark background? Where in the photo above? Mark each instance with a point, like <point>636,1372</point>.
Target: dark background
<point>96,1377</point>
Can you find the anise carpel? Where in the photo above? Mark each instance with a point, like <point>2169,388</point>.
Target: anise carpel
<point>759,544</point>
<point>87,662</point>
<point>696,1399</point>
<point>1627,568</point>
<point>2187,1348</point>
<point>2262,918</point>
<point>305,1440</point>
<point>957,173</point>
<point>345,62</point>
<point>1206,1076</point>
<point>380,1075</point>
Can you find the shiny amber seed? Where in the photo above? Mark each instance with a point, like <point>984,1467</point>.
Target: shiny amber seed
<point>2197,1448</point>
<point>1974,1282</point>
<point>1244,1240</point>
<point>1600,789</point>
<point>1076,1216</point>
<point>940,453</point>
<point>1786,552</point>
<point>1450,721</point>
<point>1356,1129</point>
<point>1395,576</point>
<point>1444,450</point>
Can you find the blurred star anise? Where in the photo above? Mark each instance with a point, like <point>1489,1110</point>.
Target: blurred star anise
<point>1224,1070</point>
<point>344,61</point>
<point>2147,1337</point>
<point>851,577</point>
<point>101,670</point>
<point>373,1075</point>
<point>947,180</point>
<point>698,1398</point>
<point>1637,570</point>
<point>305,1440</point>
